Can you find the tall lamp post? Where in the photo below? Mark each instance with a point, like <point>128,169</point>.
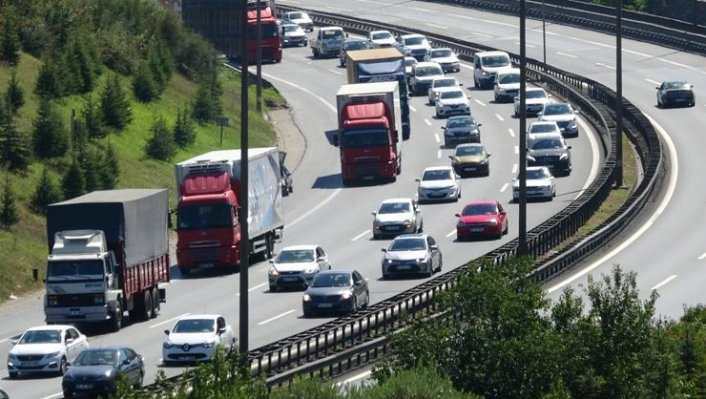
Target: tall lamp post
<point>258,105</point>
<point>544,35</point>
<point>619,98</point>
<point>243,211</point>
<point>522,244</point>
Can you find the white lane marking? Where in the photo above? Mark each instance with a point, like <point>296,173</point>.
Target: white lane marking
<point>276,317</point>
<point>436,136</point>
<point>335,71</point>
<point>420,9</point>
<point>317,207</point>
<point>467,66</point>
<point>664,282</point>
<point>504,187</point>
<point>339,9</point>
<point>566,55</point>
<point>360,235</point>
<point>512,132</point>
<point>451,233</point>
<point>435,26</point>
<point>483,20</point>
<point>54,395</point>
<point>304,89</point>
<point>514,168</point>
<point>517,149</point>
<point>161,323</point>
<point>596,158</point>
<point>500,118</point>
<point>412,108</point>
<point>671,188</point>
<point>254,288</point>
<point>654,82</point>
<point>356,377</point>
<point>481,35</point>
<point>481,103</point>
<point>290,1</point>
<point>438,154</point>
<point>526,45</point>
<point>427,121</point>
<point>702,257</point>
<point>605,65</point>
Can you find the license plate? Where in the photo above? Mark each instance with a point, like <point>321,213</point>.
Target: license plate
<point>470,168</point>
<point>207,265</point>
<point>393,227</point>
<point>404,267</point>
<point>74,312</point>
<point>325,305</point>
<point>289,279</point>
<point>477,230</point>
<point>84,386</point>
<point>368,177</point>
<point>30,364</point>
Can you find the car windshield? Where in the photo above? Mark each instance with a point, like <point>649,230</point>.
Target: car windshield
<point>191,217</point>
<point>394,207</point>
<point>444,82</point>
<point>536,94</point>
<point>268,31</point>
<point>291,28</point>
<point>479,209</point>
<point>428,71</point>
<point>440,174</point>
<point>195,326</point>
<point>495,61</point>
<point>676,85</point>
<point>438,53</point>
<point>542,128</point>
<point>408,244</point>
<point>356,45</point>
<point>556,109</point>
<point>332,280</point>
<point>41,337</point>
<point>332,34</point>
<point>296,15</point>
<point>536,174</point>
<point>97,357</point>
<point>73,268</point>
<point>468,150</point>
<point>546,144</point>
<point>459,122</point>
<point>381,35</point>
<point>445,95</point>
<point>509,79</point>
<point>295,256</point>
<point>413,41</point>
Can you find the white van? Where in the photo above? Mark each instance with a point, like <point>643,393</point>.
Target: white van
<point>485,66</point>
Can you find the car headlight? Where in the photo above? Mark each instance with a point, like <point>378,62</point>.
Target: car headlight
<point>167,345</point>
<point>273,271</point>
<point>209,344</point>
<point>387,260</point>
<point>407,223</point>
<point>572,124</point>
<point>10,356</point>
<point>493,222</point>
<point>531,158</point>
<point>52,355</point>
<point>484,73</point>
<point>420,260</point>
<point>310,270</point>
<point>563,157</point>
<point>306,298</point>
<point>460,223</point>
<point>346,295</point>
<point>105,376</point>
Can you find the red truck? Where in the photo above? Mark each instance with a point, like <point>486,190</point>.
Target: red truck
<point>271,44</point>
<point>208,231</point>
<point>109,252</point>
<point>369,131</point>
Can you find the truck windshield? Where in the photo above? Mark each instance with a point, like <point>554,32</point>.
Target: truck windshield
<point>364,138</point>
<point>75,268</point>
<point>268,31</point>
<point>204,216</point>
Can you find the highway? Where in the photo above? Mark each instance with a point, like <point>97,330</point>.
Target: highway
<point>322,211</point>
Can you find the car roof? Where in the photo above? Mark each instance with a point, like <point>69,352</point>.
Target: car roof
<point>452,88</point>
<point>289,24</point>
<point>444,78</point>
<point>509,71</point>
<point>481,202</point>
<point>543,123</point>
<point>107,347</point>
<point>380,31</point>
<point>529,168</point>
<point>336,271</point>
<point>486,53</point>
<point>410,58</point>
<point>50,327</point>
<point>330,28</point>
<point>199,316</point>
<point>437,168</point>
<point>299,247</point>
<point>355,39</point>
<point>442,48</point>
<point>411,35</point>
<point>534,89</point>
<point>462,145</point>
<point>409,236</point>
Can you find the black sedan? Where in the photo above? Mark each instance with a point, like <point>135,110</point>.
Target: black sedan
<point>336,291</point>
<point>675,92</point>
<point>96,371</point>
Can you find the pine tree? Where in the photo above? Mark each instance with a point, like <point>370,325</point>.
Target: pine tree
<point>184,133</point>
<point>73,183</point>
<point>9,39</point>
<point>93,119</point>
<point>47,192</point>
<point>110,168</point>
<point>9,215</point>
<point>85,65</point>
<point>161,145</point>
<point>50,136</point>
<point>115,106</point>
<point>15,146</point>
<point>144,85</point>
<point>14,96</point>
<point>48,82</point>
<point>90,165</point>
<point>204,109</point>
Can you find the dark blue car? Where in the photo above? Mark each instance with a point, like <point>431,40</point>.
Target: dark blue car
<point>96,371</point>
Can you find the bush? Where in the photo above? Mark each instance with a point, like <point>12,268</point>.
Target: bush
<point>144,85</point>
<point>48,84</point>
<point>93,119</point>
<point>9,215</point>
<point>184,133</point>
<point>161,145</point>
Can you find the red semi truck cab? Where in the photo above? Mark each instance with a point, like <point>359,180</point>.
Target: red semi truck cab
<point>369,131</point>
<point>271,43</point>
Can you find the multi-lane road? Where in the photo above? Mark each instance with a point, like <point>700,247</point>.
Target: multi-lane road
<point>322,211</point>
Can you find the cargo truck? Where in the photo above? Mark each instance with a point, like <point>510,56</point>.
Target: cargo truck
<point>208,231</point>
<point>109,253</point>
<point>381,65</point>
<point>369,131</point>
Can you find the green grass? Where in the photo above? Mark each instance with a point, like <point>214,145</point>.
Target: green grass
<point>24,247</point>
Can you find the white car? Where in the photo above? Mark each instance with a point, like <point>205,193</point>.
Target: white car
<point>439,84</point>
<point>409,63</point>
<point>196,338</point>
<point>415,45</point>
<point>564,115</point>
<point>535,99</point>
<point>296,266</point>
<point>439,183</point>
<point>381,38</point>
<point>543,127</point>
<point>506,85</point>
<point>45,349</point>
<point>445,57</point>
<point>452,102</point>
<point>397,216</point>
<point>300,18</point>
<point>540,184</point>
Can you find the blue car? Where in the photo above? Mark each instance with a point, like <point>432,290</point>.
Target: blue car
<point>96,371</point>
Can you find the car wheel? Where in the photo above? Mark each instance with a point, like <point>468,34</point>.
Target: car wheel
<point>308,313</point>
<point>156,302</point>
<point>116,322</point>
<point>185,272</point>
<point>140,380</point>
<point>437,115</point>
<point>12,375</point>
<point>475,83</point>
<point>430,266</point>
<point>385,276</point>
<point>441,263</point>
<point>62,366</point>
<point>367,300</point>
<point>354,306</point>
<point>497,99</point>
<point>68,395</point>
<point>376,236</point>
<point>274,288</point>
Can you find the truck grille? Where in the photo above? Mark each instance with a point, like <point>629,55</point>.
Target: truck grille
<point>205,255</point>
<point>367,170</point>
<point>73,300</point>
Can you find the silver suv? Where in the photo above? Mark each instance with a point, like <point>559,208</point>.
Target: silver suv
<point>397,216</point>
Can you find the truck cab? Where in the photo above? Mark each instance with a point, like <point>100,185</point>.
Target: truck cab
<point>271,44</point>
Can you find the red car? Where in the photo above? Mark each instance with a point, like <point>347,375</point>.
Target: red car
<point>481,219</point>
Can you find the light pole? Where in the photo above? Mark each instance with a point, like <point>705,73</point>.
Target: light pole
<point>258,105</point>
<point>243,211</point>
<point>544,35</point>
<point>619,96</point>
<point>522,240</point>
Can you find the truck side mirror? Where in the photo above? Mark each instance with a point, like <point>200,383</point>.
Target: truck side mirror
<point>334,139</point>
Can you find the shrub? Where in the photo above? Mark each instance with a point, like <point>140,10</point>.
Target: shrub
<point>161,145</point>
<point>50,136</point>
<point>47,192</point>
<point>115,106</point>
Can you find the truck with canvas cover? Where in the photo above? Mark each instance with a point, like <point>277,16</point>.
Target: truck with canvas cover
<point>381,65</point>
<point>208,228</point>
<point>369,131</point>
<point>109,252</point>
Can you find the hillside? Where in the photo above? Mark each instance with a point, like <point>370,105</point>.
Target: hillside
<point>23,246</point>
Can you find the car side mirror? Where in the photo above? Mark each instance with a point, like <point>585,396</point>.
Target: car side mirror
<point>488,155</point>
<point>657,87</point>
<point>451,157</point>
<point>383,249</point>
<point>69,340</point>
<point>434,247</point>
<point>374,213</point>
<point>166,332</point>
<point>417,180</point>
<point>458,215</point>
<point>346,34</point>
<point>221,330</point>
<point>443,128</point>
<point>334,139</point>
<point>271,261</point>
<point>126,362</point>
<point>460,84</point>
<point>479,125</point>
<point>568,146</point>
<point>14,341</point>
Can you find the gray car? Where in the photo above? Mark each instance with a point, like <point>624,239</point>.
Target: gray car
<point>549,149</point>
<point>461,129</point>
<point>336,291</point>
<point>564,116</point>
<point>351,44</point>
<point>295,266</point>
<point>397,216</point>
<point>411,254</point>
<point>292,35</point>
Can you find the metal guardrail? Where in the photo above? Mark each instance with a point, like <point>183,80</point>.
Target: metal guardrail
<point>644,27</point>
<point>361,338</point>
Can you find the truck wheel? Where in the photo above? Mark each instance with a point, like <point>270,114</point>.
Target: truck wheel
<point>116,321</point>
<point>269,246</point>
<point>151,312</point>
<point>156,302</point>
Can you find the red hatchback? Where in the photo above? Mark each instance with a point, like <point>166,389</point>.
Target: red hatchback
<point>481,219</point>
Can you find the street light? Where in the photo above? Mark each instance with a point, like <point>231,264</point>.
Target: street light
<point>243,211</point>
<point>544,35</point>
<point>619,96</point>
<point>522,239</point>
<point>258,104</point>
